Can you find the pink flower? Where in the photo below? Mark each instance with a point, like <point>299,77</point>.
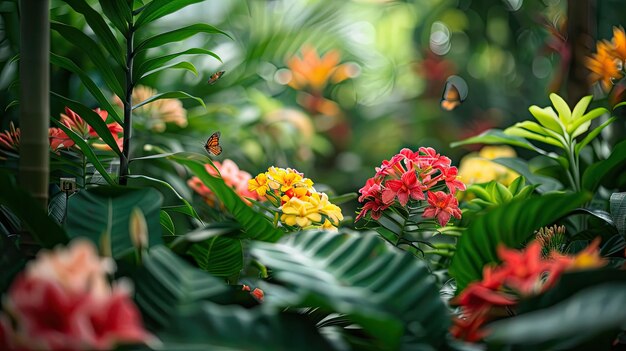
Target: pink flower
<point>430,158</point>
<point>58,139</point>
<point>375,205</point>
<point>450,176</point>
<point>404,188</point>
<point>442,206</point>
<point>258,294</point>
<point>390,167</point>
<point>232,176</point>
<point>371,187</point>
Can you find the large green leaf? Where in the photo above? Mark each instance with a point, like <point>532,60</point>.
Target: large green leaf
<point>93,119</point>
<point>179,65</point>
<point>100,28</point>
<point>168,286</point>
<point>159,8</point>
<point>91,49</point>
<point>119,13</point>
<point>256,225</point>
<point>606,169</point>
<point>215,327</point>
<point>584,316</point>
<point>107,211</point>
<point>87,151</point>
<point>34,218</point>
<point>157,62</point>
<point>93,88</point>
<point>389,293</point>
<point>511,225</point>
<point>618,211</point>
<point>496,136</point>
<point>170,95</point>
<point>221,256</point>
<point>177,35</point>
<point>546,184</point>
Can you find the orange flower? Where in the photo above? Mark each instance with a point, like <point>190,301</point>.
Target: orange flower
<point>58,139</point>
<point>10,139</point>
<point>603,66</point>
<point>315,71</point>
<point>619,43</point>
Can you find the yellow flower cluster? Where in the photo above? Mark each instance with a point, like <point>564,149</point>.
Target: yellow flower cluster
<point>298,203</point>
<point>478,168</point>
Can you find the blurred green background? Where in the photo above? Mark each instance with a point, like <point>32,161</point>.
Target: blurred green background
<point>332,88</point>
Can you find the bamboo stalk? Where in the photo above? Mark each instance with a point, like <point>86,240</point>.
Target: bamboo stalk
<point>34,98</point>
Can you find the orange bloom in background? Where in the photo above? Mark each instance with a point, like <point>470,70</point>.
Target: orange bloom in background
<point>74,122</point>
<point>619,43</point>
<point>10,139</point>
<point>314,71</point>
<point>156,115</point>
<point>604,66</point>
<point>58,139</point>
<point>237,179</point>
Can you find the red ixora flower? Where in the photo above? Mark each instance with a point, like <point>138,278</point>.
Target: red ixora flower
<point>58,139</point>
<point>404,188</point>
<point>450,176</point>
<point>374,204</point>
<point>442,206</point>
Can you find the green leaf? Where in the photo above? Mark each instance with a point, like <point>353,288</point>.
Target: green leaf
<point>106,211</point>
<point>496,136</point>
<point>93,51</point>
<point>340,199</point>
<point>548,118</point>
<point>220,256</point>
<point>100,28</point>
<point>214,327</point>
<point>167,286</point>
<point>180,65</point>
<point>159,8</point>
<point>588,117</point>
<point>34,218</point>
<point>166,222</point>
<point>511,224</point>
<point>565,114</point>
<point>69,65</point>
<point>592,135</point>
<point>118,12</point>
<point>257,226</point>
<point>157,62</point>
<point>545,184</point>
<point>86,150</point>
<point>177,35</point>
<point>600,171</point>
<point>623,103</point>
<point>93,119</point>
<point>618,212</point>
<point>56,207</point>
<point>381,289</point>
<point>186,207</point>
<point>580,318</point>
<point>170,95</point>
<point>523,133</point>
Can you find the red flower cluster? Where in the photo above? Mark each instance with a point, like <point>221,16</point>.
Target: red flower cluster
<point>413,175</point>
<point>232,176</point>
<point>522,273</point>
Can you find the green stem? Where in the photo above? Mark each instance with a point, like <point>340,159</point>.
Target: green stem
<point>128,103</point>
<point>439,252</point>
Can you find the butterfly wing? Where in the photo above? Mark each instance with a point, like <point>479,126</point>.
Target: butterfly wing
<point>451,98</point>
<point>215,77</point>
<point>212,145</point>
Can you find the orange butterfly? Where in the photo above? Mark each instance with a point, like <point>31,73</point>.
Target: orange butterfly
<point>451,98</point>
<point>212,145</point>
<point>215,76</point>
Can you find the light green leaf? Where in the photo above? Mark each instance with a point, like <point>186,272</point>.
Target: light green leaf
<point>497,136</point>
<point>159,8</point>
<point>91,49</point>
<point>69,65</point>
<point>565,114</point>
<point>180,65</point>
<point>170,95</point>
<point>100,28</point>
<point>600,171</point>
<point>548,118</point>
<point>546,184</point>
<point>585,119</point>
<point>581,107</point>
<point>157,62</point>
<point>107,210</point>
<point>177,35</point>
<point>166,222</point>
<point>87,151</point>
<point>520,132</point>
<point>592,135</point>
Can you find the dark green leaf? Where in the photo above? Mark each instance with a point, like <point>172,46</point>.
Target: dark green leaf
<point>91,49</point>
<point>119,13</point>
<point>382,289</point>
<point>220,256</point>
<point>618,212</point>
<point>89,84</point>
<point>180,65</point>
<point>87,151</point>
<point>546,184</point>
<point>157,62</point>
<point>100,28</point>
<point>496,136</point>
<point>166,222</point>
<point>340,199</point>
<point>592,135</point>
<point>177,35</point>
<point>170,95</point>
<point>93,119</point>
<point>606,169</point>
<point>582,317</point>
<point>168,286</point>
<point>57,206</point>
<point>107,211</point>
<point>255,224</point>
<point>159,8</point>
<point>33,217</point>
<point>511,225</point>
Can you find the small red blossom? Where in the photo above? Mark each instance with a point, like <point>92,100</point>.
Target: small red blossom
<point>430,158</point>
<point>469,328</point>
<point>371,187</point>
<point>404,188</point>
<point>450,176</point>
<point>10,139</point>
<point>442,206</point>
<point>258,294</point>
<point>375,205</point>
<point>245,288</point>
<point>391,167</point>
<point>58,139</point>
<point>526,269</point>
